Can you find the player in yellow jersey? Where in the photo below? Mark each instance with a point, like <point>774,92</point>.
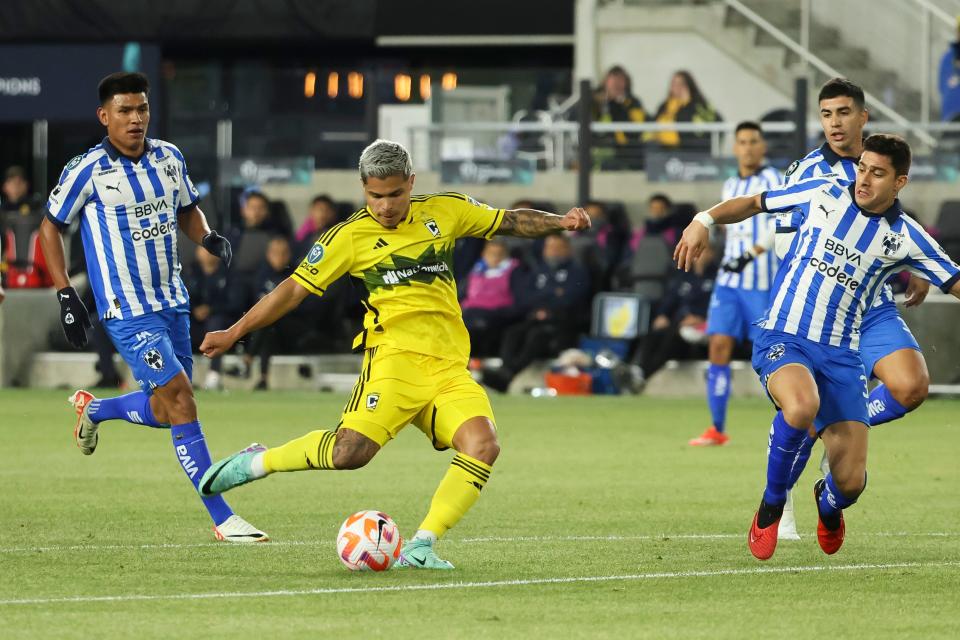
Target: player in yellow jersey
<point>414,341</point>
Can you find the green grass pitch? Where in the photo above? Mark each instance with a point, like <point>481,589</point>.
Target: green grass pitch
<point>598,522</point>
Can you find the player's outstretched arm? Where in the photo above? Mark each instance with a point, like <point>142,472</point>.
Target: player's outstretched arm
<point>271,307</point>
<point>530,223</point>
<point>697,235</point>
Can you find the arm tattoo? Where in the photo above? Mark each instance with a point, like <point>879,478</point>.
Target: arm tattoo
<point>529,223</point>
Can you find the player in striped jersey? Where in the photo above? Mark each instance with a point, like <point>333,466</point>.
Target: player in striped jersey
<point>415,344</point>
<point>740,295</point>
<point>888,349</point>
<point>850,238</point>
<point>131,194</point>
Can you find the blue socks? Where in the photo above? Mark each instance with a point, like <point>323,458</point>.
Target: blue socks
<point>831,500</point>
<point>785,442</point>
<point>132,407</point>
<point>718,393</point>
<point>883,407</point>
<point>192,453</point>
<point>800,461</point>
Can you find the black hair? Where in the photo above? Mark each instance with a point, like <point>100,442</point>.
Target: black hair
<point>617,70</point>
<point>748,125</point>
<point>894,147</point>
<point>255,194</point>
<point>324,198</point>
<point>841,87</point>
<point>662,197</point>
<point>120,83</point>
<point>696,97</point>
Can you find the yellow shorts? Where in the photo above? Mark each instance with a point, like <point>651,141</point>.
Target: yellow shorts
<point>398,387</point>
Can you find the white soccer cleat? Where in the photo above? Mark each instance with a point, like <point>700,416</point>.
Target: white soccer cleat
<point>788,524</point>
<point>236,529</point>
<point>85,431</point>
<point>213,381</point>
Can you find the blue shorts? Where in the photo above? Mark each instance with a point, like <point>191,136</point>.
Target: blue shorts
<point>838,372</point>
<point>733,312</point>
<point>882,332</point>
<point>155,345</point>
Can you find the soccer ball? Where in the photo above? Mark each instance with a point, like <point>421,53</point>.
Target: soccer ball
<point>369,541</point>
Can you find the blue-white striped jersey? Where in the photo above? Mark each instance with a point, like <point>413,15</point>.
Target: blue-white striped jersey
<point>750,233</point>
<point>128,224</point>
<point>821,162</point>
<point>840,258</point>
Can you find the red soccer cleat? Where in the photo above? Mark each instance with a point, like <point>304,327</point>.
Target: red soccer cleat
<point>85,431</point>
<point>710,438</point>
<point>830,539</point>
<point>762,542</point>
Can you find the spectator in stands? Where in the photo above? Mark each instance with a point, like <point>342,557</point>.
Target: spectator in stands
<point>489,305</point>
<point>681,318</point>
<point>614,102</point>
<point>684,103</point>
<point>556,308</point>
<point>321,216</point>
<point>666,220</point>
<point>294,332</point>
<point>22,213</point>
<point>950,81</point>
<point>610,236</point>
<point>215,305</point>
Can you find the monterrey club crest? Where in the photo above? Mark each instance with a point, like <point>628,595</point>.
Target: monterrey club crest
<point>153,359</point>
<point>171,171</point>
<point>776,351</point>
<point>892,241</point>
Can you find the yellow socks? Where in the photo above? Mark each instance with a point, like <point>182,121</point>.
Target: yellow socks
<point>457,492</point>
<point>312,451</point>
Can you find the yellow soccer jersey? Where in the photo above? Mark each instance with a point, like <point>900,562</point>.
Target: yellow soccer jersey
<point>408,272</point>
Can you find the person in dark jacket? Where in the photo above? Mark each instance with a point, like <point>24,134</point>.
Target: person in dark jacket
<point>949,81</point>
<point>684,103</point>
<point>614,102</point>
<point>556,311</point>
<point>215,305</point>
<point>682,311</point>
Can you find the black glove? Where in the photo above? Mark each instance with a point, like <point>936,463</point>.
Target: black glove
<point>73,317</point>
<point>219,246</point>
<point>736,265</point>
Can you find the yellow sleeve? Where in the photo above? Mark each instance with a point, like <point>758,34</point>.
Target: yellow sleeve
<point>330,257</point>
<point>476,219</point>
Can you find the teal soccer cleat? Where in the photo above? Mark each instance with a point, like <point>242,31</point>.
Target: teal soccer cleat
<point>419,554</point>
<point>230,472</point>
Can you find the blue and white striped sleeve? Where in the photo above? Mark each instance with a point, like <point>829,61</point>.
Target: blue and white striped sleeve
<point>72,191</point>
<point>188,194</point>
<point>792,196</point>
<point>928,260</point>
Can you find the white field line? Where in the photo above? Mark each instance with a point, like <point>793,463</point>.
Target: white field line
<point>442,586</point>
<point>480,540</point>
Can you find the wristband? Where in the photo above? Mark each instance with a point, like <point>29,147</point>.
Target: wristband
<point>704,218</point>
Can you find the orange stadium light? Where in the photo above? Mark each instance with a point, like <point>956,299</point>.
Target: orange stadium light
<point>449,81</point>
<point>402,86</point>
<point>309,84</point>
<point>425,87</point>
<point>333,84</point>
<point>355,84</point>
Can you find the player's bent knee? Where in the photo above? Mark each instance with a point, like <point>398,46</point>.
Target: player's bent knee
<point>800,411</point>
<point>911,393</point>
<point>477,438</point>
<point>353,450</point>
